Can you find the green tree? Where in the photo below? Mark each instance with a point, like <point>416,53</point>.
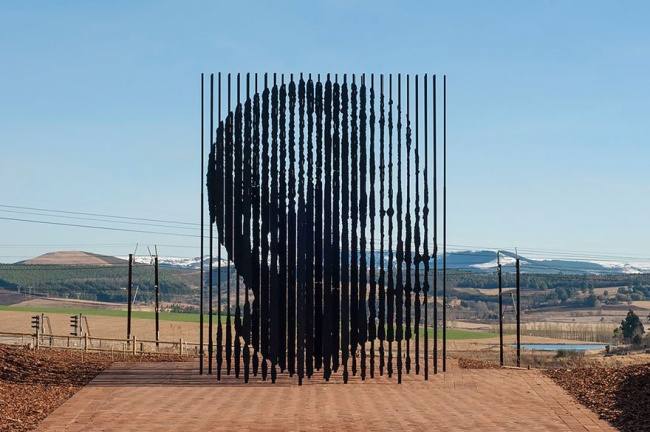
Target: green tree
<point>592,301</point>
<point>632,328</point>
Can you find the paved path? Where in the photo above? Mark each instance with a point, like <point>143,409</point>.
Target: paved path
<point>171,396</point>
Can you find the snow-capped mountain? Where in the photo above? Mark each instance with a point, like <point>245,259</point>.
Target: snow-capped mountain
<point>477,260</point>
<point>178,262</point>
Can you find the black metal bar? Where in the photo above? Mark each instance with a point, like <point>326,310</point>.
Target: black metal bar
<point>409,229</point>
<point>399,299</point>
<point>435,230</point>
<point>363,213</point>
<point>381,330</point>
<point>228,205</point>
<point>282,229</point>
<point>318,228</point>
<point>201,272</point>
<point>301,236</point>
<point>328,256</point>
<point>291,230</point>
<point>372,296</point>
<point>345,253</point>
<point>425,219</point>
<point>210,340</point>
<point>336,189</point>
<point>273,225</point>
<point>354,220</point>
<point>247,199</point>
<point>390,331</point>
<point>265,270</point>
<point>444,230</point>
<point>309,298</point>
<point>237,224</point>
<point>416,257</point>
<point>219,212</point>
<point>255,200</point>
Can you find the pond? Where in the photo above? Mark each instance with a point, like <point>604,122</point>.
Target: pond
<point>562,346</point>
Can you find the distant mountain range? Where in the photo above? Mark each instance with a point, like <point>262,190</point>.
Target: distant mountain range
<point>479,261</point>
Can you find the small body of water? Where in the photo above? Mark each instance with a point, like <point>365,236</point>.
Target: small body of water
<point>561,346</point>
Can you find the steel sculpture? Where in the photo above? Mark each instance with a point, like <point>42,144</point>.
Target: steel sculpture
<point>329,255</point>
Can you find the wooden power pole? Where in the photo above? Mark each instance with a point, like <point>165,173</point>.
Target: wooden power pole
<point>500,311</point>
<point>130,298</point>
<point>157,285</point>
<point>518,316</point>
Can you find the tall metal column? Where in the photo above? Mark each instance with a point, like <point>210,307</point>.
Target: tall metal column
<point>210,340</point>
<point>201,271</point>
<point>444,227</point>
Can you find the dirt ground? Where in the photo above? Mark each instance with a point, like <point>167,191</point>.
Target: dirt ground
<point>154,396</point>
<point>618,395</point>
<point>34,383</point>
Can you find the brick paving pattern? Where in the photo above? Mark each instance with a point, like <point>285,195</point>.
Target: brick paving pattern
<point>172,396</point>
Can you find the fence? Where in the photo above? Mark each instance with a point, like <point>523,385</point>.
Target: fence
<point>88,343</point>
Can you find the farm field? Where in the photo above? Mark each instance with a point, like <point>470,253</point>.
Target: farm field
<point>604,314</point>
<point>111,323</point>
<point>121,313</point>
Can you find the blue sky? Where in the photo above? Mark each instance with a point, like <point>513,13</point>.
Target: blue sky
<point>548,109</point>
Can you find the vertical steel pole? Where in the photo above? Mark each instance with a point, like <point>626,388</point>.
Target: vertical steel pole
<point>220,240</point>
<point>425,219</point>
<point>210,340</point>
<point>435,228</point>
<point>201,271</point>
<point>444,228</point>
<point>500,311</point>
<point>130,297</point>
<point>518,316</point>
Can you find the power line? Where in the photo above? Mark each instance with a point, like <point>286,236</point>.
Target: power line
<point>96,219</point>
<point>99,227</point>
<point>98,214</point>
<point>545,253</point>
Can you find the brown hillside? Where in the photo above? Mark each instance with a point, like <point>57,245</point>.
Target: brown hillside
<point>74,258</point>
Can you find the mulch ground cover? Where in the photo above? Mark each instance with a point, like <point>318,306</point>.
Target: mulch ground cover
<point>35,382</point>
<point>469,363</point>
<point>620,395</point>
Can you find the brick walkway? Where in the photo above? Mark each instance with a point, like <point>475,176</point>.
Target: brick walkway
<point>171,396</point>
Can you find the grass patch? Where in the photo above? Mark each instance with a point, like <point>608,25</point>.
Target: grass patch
<point>166,316</point>
<point>460,334</point>
<point>452,333</point>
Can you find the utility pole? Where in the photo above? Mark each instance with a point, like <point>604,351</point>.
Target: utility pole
<point>156,283</point>
<point>129,289</point>
<point>518,317</point>
<point>500,311</point>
